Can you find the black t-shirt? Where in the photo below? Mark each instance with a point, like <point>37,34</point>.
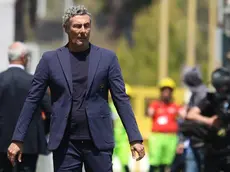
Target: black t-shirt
<point>79,129</point>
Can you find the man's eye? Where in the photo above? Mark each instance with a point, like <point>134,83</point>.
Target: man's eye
<point>77,26</point>
<point>86,25</point>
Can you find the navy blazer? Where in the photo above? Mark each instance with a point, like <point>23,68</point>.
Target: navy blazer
<point>14,86</point>
<point>104,74</point>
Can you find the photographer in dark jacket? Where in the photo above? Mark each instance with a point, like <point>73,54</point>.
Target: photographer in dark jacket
<point>194,153</point>
<point>211,126</point>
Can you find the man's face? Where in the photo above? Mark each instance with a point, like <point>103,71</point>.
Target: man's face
<point>166,94</point>
<point>79,29</point>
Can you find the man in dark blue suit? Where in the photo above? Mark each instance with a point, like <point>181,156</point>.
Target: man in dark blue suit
<point>79,76</point>
<point>14,86</point>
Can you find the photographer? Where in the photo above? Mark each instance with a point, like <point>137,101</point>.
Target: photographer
<point>208,122</point>
<point>192,79</point>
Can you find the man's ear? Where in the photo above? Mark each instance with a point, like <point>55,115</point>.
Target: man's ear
<point>22,57</point>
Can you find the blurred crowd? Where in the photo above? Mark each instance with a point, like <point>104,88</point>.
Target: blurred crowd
<point>182,137</point>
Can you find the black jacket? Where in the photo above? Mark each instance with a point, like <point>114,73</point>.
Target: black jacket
<point>14,86</point>
<point>201,133</point>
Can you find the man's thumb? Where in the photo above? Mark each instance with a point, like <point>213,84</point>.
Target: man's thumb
<point>133,153</point>
<point>20,157</point>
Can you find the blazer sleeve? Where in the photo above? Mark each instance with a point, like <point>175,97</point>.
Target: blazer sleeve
<point>35,95</point>
<point>121,101</point>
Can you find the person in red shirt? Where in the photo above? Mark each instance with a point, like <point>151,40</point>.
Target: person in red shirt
<point>163,139</point>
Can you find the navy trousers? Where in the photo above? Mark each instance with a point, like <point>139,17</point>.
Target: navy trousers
<point>71,154</point>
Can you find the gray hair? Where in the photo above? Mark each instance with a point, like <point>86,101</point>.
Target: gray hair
<point>16,50</point>
<point>73,11</point>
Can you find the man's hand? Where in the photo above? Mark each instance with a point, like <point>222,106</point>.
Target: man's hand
<point>183,112</point>
<point>137,147</point>
<point>15,149</point>
<point>214,121</point>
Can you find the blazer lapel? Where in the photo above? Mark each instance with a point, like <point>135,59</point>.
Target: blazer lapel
<point>64,58</point>
<point>94,58</point>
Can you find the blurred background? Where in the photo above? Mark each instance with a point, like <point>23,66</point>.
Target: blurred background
<point>152,39</point>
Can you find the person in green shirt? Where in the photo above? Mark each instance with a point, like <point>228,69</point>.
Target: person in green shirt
<point>120,136</point>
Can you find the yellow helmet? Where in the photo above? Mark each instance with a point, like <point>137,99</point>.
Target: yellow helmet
<point>167,82</point>
<point>128,89</point>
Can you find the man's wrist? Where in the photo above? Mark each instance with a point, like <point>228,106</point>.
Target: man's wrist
<point>136,141</point>
<point>17,141</point>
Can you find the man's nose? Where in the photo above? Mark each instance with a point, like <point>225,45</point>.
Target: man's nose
<point>82,29</point>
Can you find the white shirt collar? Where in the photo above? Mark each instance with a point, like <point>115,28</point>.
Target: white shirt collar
<point>17,65</point>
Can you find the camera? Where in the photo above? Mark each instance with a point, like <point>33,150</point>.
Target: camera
<point>221,82</point>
